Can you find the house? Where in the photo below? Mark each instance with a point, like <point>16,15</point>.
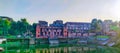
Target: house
<point>76,29</point>
<point>59,30</point>
<point>45,31</point>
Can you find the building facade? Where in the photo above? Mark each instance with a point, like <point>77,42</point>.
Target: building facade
<point>45,31</point>
<point>76,29</point>
<point>48,32</point>
<point>59,30</point>
<point>106,26</point>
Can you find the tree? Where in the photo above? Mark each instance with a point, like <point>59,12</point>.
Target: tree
<point>116,38</point>
<point>14,28</point>
<point>34,28</point>
<point>96,26</point>
<point>99,26</point>
<point>4,26</point>
<point>20,27</point>
<point>23,26</point>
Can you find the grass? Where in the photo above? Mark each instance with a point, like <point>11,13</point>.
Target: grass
<point>10,37</point>
<point>101,36</point>
<point>114,28</point>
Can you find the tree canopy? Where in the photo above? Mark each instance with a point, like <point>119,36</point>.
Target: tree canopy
<point>96,25</point>
<point>4,26</point>
<point>14,28</point>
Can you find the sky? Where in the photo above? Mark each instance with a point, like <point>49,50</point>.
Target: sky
<point>66,10</point>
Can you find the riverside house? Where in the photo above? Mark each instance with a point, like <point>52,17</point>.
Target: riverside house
<point>59,30</point>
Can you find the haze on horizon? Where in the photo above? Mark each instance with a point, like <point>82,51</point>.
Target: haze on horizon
<point>66,10</point>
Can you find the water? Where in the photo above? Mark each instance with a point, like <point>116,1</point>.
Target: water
<point>55,48</point>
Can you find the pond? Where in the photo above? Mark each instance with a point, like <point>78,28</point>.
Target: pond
<point>56,48</point>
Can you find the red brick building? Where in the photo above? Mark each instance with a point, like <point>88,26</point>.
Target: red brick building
<point>60,30</point>
<point>51,32</point>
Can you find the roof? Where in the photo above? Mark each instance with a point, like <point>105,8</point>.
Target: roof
<point>77,23</point>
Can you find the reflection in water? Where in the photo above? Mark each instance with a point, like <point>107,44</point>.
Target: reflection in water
<point>65,50</point>
<point>55,49</point>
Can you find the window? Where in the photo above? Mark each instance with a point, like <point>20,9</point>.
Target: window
<point>38,36</point>
<point>49,33</point>
<point>57,33</point>
<point>45,32</point>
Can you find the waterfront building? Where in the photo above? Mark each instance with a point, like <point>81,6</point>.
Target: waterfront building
<point>59,30</point>
<point>48,32</point>
<point>76,29</point>
<point>106,26</point>
<point>44,31</point>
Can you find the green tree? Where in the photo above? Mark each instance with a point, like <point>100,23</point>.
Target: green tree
<point>115,38</point>
<point>4,26</point>
<point>99,26</point>
<point>96,26</point>
<point>20,27</point>
<point>14,28</point>
<point>34,28</point>
<point>23,26</point>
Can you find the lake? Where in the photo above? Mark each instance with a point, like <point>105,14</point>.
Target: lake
<point>55,48</point>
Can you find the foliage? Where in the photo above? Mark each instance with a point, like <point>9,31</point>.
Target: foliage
<point>21,27</point>
<point>96,25</point>
<point>33,28</point>
<point>116,38</point>
<point>114,28</point>
<point>4,26</point>
<point>14,28</point>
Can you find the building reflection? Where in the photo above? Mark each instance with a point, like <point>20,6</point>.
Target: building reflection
<point>74,49</point>
<point>64,50</point>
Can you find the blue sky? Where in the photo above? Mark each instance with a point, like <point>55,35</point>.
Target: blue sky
<point>66,10</point>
